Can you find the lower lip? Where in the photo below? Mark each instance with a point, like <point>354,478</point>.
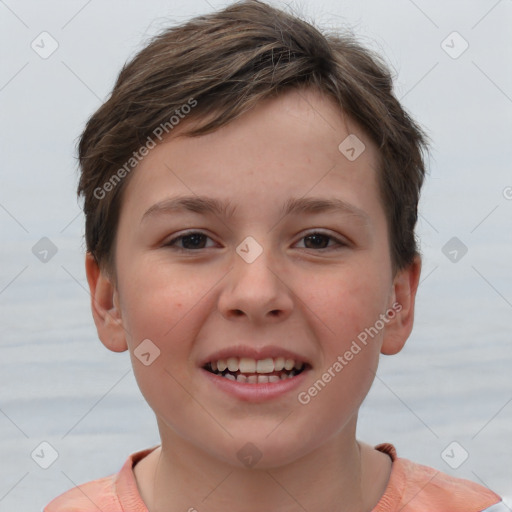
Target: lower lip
<point>256,392</point>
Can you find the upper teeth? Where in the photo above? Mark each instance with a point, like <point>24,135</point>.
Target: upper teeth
<point>248,365</point>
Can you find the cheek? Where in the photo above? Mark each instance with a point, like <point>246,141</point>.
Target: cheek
<point>168,308</point>
<point>352,308</point>
<point>156,299</point>
<point>349,350</point>
<point>160,332</point>
<point>349,302</point>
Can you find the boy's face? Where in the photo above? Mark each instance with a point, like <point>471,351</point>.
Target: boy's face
<point>304,285</point>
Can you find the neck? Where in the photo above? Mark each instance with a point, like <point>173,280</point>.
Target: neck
<point>341,475</point>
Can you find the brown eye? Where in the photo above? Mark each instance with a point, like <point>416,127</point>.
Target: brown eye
<point>320,241</point>
<point>317,241</point>
<point>190,241</point>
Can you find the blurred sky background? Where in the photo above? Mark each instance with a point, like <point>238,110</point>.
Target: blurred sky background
<point>453,380</point>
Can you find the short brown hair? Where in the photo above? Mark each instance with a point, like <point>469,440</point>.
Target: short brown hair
<point>223,64</point>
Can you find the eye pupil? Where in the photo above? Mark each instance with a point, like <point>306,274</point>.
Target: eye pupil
<point>317,240</point>
<point>195,238</point>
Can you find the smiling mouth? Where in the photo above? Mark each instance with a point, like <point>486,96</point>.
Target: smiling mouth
<point>252,371</point>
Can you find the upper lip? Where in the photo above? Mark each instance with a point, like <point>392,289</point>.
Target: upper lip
<point>265,352</point>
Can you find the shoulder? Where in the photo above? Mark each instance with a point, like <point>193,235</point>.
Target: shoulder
<point>113,493</point>
<point>426,488</point>
<point>89,497</point>
<point>426,483</point>
<point>414,487</point>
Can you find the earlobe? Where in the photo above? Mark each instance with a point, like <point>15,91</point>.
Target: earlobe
<point>105,307</point>
<point>400,326</point>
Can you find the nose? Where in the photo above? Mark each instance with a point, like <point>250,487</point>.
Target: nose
<point>256,291</point>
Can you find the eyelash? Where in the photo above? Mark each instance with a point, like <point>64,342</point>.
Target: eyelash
<point>172,243</point>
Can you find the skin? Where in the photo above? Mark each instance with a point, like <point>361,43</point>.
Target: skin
<point>297,295</point>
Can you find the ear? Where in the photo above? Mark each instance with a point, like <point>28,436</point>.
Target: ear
<point>105,307</point>
<point>399,327</point>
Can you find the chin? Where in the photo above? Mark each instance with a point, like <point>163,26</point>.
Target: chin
<point>260,451</point>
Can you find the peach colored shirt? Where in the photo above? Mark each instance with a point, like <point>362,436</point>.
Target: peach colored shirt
<point>411,488</point>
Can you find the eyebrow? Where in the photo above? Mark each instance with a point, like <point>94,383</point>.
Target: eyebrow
<point>297,206</point>
<point>196,204</point>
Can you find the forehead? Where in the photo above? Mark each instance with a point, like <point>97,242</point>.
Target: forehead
<point>287,147</point>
